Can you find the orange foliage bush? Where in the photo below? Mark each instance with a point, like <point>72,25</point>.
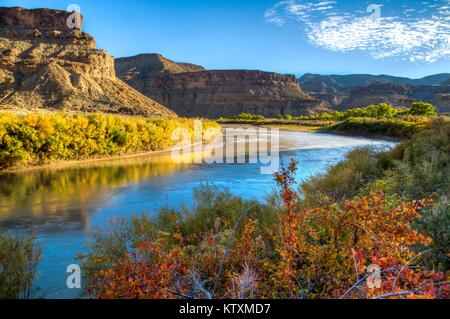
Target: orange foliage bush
<point>322,252</point>
<point>327,249</point>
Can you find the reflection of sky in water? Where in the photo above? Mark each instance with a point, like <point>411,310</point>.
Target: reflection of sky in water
<point>62,206</point>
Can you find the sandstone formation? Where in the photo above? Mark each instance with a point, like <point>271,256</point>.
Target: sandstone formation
<point>349,91</point>
<point>190,90</point>
<point>44,64</point>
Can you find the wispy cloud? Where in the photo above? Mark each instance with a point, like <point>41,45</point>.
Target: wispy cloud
<point>420,33</point>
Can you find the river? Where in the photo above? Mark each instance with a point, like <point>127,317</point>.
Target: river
<point>62,205</point>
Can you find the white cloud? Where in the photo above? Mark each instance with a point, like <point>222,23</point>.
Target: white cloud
<point>272,17</point>
<point>404,35</point>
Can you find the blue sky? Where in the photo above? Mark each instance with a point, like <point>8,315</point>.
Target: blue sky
<point>404,38</point>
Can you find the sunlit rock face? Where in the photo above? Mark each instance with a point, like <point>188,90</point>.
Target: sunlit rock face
<point>190,90</point>
<point>44,64</point>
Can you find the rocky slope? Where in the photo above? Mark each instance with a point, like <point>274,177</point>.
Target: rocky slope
<point>46,65</point>
<point>190,90</point>
<point>360,90</point>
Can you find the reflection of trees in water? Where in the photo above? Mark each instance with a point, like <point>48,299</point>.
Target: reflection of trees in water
<point>69,195</point>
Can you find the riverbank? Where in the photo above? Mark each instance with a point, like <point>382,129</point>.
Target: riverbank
<point>304,126</point>
<point>379,121</point>
<point>157,156</point>
<point>392,129</point>
<point>38,140</point>
<point>75,163</point>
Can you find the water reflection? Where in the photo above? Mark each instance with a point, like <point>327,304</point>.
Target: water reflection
<point>67,196</point>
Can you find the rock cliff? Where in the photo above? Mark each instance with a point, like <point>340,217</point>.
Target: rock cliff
<point>44,64</point>
<point>190,90</point>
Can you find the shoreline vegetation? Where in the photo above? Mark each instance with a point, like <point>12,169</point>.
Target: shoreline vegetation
<point>382,120</point>
<point>92,160</point>
<point>37,140</point>
<point>33,141</point>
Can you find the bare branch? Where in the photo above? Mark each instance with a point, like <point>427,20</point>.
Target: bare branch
<point>394,283</point>
<point>230,242</point>
<point>409,292</point>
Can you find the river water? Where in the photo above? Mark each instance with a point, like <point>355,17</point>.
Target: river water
<point>62,206</point>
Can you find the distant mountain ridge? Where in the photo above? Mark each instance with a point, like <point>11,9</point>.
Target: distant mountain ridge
<point>316,83</point>
<point>360,90</point>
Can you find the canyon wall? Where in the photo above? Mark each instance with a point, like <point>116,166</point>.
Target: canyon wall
<point>189,90</point>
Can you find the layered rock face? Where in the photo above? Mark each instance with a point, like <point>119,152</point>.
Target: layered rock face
<point>226,93</point>
<point>359,90</point>
<point>190,90</point>
<point>44,64</point>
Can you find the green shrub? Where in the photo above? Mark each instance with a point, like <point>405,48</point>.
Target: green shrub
<point>286,117</point>
<point>214,211</point>
<point>382,110</point>
<point>423,109</point>
<point>249,117</point>
<point>423,163</point>
<point>414,169</point>
<point>382,127</point>
<point>344,179</point>
<point>19,258</point>
<point>435,223</point>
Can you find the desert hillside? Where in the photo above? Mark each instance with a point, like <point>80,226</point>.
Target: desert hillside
<point>139,71</point>
<point>46,65</point>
